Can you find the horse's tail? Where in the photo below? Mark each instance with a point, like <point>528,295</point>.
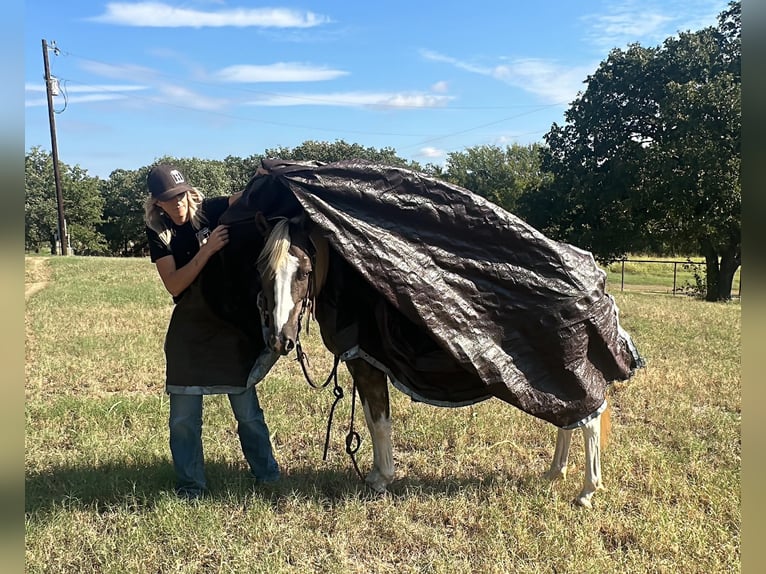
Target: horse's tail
<point>606,425</point>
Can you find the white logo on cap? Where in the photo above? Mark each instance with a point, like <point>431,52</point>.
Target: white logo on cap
<point>176,175</point>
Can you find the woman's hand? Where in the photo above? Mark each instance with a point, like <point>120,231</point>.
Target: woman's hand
<point>216,241</point>
<point>176,280</point>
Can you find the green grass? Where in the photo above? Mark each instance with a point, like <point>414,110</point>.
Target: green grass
<point>469,495</point>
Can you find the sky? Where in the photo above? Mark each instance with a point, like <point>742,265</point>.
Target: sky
<point>213,78</point>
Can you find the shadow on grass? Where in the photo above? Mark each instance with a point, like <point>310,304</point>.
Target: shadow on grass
<point>114,487</point>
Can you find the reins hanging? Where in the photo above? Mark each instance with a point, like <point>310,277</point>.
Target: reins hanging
<point>301,356</point>
<point>353,440</point>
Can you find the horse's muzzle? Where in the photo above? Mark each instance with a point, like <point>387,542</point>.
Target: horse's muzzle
<point>281,344</point>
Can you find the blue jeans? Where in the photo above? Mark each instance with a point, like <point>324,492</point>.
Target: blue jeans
<point>186,439</point>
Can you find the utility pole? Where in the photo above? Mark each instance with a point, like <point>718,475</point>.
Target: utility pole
<point>63,237</point>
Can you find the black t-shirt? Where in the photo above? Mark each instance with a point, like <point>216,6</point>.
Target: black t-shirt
<point>184,239</point>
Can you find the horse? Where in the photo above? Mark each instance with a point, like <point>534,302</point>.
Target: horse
<point>294,266</point>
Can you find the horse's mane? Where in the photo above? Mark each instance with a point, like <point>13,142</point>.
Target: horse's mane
<point>276,249</point>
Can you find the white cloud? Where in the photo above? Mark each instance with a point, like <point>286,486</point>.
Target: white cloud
<point>35,103</point>
<point>618,29</point>
<point>168,91</point>
<point>440,87</point>
<point>87,98</point>
<point>355,99</point>
<point>551,81</point>
<point>119,71</point>
<point>468,67</point>
<point>180,96</point>
<point>159,15</point>
<point>93,88</point>
<point>278,72</point>
<point>432,153</point>
<point>648,23</point>
<point>83,94</point>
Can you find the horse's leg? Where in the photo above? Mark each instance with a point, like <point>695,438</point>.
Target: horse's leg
<point>592,434</point>
<point>372,387</point>
<point>558,469</point>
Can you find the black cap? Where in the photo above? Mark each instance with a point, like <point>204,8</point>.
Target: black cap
<point>165,182</point>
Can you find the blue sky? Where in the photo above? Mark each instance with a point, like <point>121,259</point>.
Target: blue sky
<point>210,79</point>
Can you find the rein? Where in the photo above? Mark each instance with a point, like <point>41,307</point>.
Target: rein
<point>302,357</point>
<point>353,440</point>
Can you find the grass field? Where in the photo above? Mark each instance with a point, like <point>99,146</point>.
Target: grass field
<point>470,496</point>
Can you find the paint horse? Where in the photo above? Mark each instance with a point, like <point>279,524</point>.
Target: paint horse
<point>294,266</point>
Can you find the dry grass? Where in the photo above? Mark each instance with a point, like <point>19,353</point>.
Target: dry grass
<point>470,495</point>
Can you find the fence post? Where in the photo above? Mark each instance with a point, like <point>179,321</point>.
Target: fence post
<point>622,276</point>
<point>675,267</point>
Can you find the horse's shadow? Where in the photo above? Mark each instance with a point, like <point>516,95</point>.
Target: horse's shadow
<point>114,486</point>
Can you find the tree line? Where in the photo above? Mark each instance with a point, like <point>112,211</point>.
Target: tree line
<point>647,160</point>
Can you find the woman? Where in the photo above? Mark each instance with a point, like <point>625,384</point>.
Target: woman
<point>204,353</point>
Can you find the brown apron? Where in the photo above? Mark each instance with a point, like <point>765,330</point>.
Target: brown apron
<point>203,350</point>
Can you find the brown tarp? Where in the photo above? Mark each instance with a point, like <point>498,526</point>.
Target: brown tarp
<point>457,299</point>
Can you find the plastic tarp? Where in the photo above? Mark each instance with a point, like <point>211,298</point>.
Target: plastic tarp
<point>455,298</point>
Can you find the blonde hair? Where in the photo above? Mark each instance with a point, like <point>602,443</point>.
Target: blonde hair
<point>156,222</point>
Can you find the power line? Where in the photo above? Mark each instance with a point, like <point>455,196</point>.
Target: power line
<point>334,130</point>
<point>535,107</point>
<point>319,100</point>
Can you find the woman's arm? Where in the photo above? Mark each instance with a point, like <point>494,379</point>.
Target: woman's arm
<point>177,280</point>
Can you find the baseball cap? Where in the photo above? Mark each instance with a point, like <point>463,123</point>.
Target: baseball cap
<point>165,182</point>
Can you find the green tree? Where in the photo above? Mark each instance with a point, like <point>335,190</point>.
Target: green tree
<point>339,150</point>
<point>501,175</point>
<point>649,156</point>
<point>123,216</point>
<point>83,205</point>
<point>125,191</point>
<point>40,211</point>
<point>211,177</point>
<point>240,170</point>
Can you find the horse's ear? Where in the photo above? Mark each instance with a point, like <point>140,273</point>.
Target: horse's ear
<point>262,225</point>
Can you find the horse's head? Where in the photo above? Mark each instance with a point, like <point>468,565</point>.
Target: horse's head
<point>288,282</point>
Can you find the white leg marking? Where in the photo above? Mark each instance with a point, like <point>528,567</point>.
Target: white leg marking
<point>592,434</point>
<point>558,469</point>
<point>382,473</point>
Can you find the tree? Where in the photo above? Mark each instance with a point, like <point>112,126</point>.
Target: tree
<point>240,170</point>
<point>123,217</point>
<point>125,191</point>
<point>40,211</point>
<point>83,205</point>
<point>500,175</point>
<point>327,152</point>
<point>649,156</point>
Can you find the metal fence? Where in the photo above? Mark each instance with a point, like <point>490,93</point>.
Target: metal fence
<point>675,265</point>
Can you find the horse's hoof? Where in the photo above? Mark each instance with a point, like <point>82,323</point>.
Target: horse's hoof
<point>377,488</point>
<point>556,474</point>
<point>377,482</point>
<point>583,499</point>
